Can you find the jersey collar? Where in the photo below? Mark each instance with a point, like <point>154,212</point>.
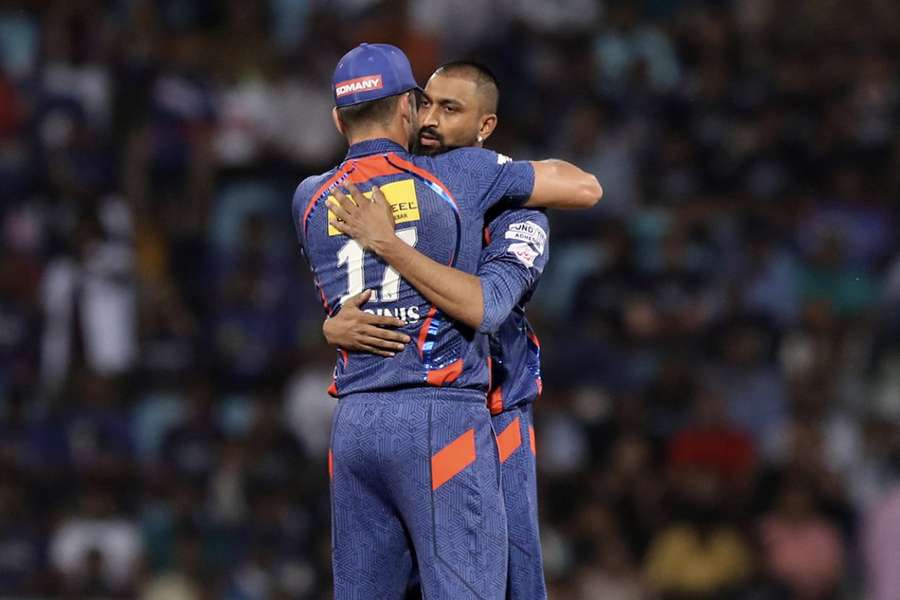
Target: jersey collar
<point>376,146</point>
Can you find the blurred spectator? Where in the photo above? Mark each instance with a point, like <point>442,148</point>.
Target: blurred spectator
<point>801,549</point>
<point>95,548</point>
<point>89,301</point>
<point>21,541</point>
<point>634,487</point>
<point>471,22</point>
<point>882,536</point>
<point>184,580</point>
<point>19,41</point>
<point>594,138</point>
<point>562,439</point>
<point>274,451</point>
<point>189,448</point>
<point>701,555</point>
<point>20,325</point>
<point>566,15</point>
<point>168,333</point>
<point>83,436</point>
<point>307,404</point>
<point>611,575</point>
<point>711,443</point>
<point>671,395</point>
<point>768,277</point>
<point>829,279</point>
<point>251,340</point>
<point>752,386</point>
<point>75,59</point>
<point>628,49</point>
<point>855,220</point>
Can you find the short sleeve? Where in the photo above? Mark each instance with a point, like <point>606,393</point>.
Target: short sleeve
<point>495,177</point>
<point>514,181</point>
<point>512,262</point>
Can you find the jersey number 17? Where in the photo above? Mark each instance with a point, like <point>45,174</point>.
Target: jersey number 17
<point>353,255</point>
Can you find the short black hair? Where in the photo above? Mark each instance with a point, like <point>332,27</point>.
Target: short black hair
<point>368,113</point>
<point>483,77</point>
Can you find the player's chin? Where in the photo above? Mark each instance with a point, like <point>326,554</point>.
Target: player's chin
<point>428,146</point>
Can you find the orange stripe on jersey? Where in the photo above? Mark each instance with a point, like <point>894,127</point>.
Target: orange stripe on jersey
<point>424,174</point>
<point>509,440</point>
<point>345,168</point>
<point>447,374</point>
<point>330,464</point>
<point>370,167</point>
<point>531,438</point>
<point>360,170</point>
<point>423,331</point>
<point>448,462</point>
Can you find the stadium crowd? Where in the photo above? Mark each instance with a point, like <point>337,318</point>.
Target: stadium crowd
<point>721,335</point>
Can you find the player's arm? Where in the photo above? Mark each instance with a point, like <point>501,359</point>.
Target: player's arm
<point>458,294</point>
<point>560,184</point>
<point>356,330</point>
<point>512,262</point>
<point>548,183</point>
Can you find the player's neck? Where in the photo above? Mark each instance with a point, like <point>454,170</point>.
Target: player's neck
<point>380,133</point>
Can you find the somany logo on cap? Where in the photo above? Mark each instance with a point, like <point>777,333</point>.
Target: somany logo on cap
<point>360,84</point>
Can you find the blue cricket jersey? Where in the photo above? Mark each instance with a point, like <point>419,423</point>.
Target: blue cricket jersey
<point>439,205</point>
<point>515,253</point>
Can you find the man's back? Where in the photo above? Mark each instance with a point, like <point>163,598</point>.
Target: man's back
<point>438,205</point>
<point>414,466</point>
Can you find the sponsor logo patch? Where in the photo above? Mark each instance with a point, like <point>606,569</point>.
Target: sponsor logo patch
<point>360,84</point>
<point>401,195</point>
<point>503,159</point>
<point>529,232</point>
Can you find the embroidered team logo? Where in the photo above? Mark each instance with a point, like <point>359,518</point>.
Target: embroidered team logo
<point>360,84</point>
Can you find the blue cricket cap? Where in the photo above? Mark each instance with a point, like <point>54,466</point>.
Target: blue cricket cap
<point>371,72</point>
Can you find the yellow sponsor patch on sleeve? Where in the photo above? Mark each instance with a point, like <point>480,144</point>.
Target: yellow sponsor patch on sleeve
<point>401,195</point>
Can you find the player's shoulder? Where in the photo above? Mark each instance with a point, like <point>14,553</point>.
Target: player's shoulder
<point>307,188</point>
<point>461,170</point>
<point>471,158</point>
<point>467,172</point>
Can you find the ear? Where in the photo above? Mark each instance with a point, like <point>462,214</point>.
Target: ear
<point>406,106</point>
<point>488,125</point>
<point>336,118</point>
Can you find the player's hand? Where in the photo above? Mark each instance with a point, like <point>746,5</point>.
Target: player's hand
<point>369,221</point>
<point>358,331</point>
